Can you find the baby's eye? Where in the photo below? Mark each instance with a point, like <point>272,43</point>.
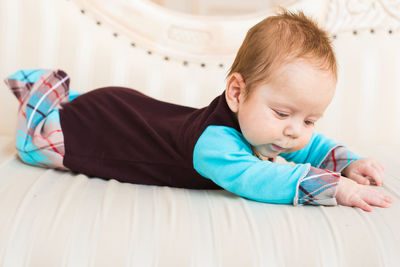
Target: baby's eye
<point>309,123</point>
<point>280,114</point>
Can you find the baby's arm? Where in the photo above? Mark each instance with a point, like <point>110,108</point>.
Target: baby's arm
<point>358,169</point>
<point>362,169</point>
<point>338,158</point>
<point>324,153</point>
<point>349,193</point>
<point>224,156</point>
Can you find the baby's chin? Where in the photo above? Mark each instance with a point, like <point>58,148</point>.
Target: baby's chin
<point>267,154</point>
<point>270,154</point>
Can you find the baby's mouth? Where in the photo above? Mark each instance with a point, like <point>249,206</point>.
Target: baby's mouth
<point>276,148</point>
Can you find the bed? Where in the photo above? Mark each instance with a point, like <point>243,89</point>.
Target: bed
<point>57,218</point>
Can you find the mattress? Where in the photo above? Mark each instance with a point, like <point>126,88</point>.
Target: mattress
<point>60,218</point>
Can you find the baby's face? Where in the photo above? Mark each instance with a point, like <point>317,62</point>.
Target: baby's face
<point>278,117</point>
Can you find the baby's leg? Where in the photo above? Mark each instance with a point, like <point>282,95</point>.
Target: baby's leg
<point>39,138</point>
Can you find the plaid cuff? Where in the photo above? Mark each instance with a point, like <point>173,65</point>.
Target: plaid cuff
<point>39,138</point>
<point>338,159</point>
<point>21,82</point>
<point>318,187</point>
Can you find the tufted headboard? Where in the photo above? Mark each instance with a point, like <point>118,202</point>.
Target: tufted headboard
<point>184,58</point>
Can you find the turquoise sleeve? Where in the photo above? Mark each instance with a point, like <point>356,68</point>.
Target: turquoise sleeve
<point>223,155</point>
<point>73,94</point>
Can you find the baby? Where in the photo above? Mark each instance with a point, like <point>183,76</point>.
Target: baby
<point>281,82</point>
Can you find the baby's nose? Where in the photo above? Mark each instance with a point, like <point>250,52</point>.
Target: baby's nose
<point>292,130</point>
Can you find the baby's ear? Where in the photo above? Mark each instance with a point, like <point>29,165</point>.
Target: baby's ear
<point>234,88</point>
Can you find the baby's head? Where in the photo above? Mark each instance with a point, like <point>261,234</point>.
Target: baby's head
<point>282,80</point>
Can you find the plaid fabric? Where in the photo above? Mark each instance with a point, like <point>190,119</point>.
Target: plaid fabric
<point>338,159</point>
<point>39,139</point>
<point>318,187</point>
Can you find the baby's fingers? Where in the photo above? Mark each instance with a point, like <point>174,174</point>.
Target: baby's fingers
<point>360,179</point>
<point>360,203</point>
<point>381,170</point>
<point>368,175</point>
<point>379,166</point>
<point>378,199</point>
<point>376,175</point>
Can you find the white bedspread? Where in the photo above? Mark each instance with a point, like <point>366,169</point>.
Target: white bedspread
<point>56,218</point>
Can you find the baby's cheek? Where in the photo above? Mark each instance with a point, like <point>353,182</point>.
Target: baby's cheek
<point>300,145</point>
<point>258,135</point>
<point>260,131</point>
<point>294,149</point>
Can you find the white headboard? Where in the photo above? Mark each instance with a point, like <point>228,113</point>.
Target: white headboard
<point>184,58</point>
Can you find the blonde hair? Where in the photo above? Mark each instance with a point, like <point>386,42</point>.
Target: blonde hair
<point>279,40</point>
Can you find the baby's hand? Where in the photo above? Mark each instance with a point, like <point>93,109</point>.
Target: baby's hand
<point>349,193</point>
<point>361,169</point>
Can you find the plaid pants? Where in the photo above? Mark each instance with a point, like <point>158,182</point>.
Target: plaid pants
<point>39,138</point>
